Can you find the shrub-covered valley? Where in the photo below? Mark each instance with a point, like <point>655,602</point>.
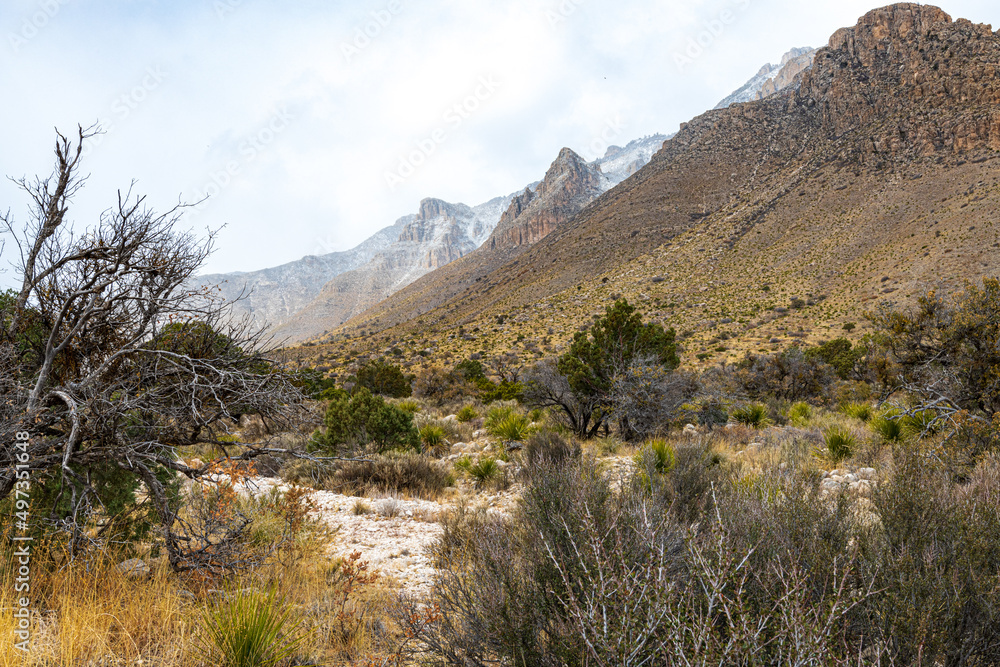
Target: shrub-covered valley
<point>741,409</point>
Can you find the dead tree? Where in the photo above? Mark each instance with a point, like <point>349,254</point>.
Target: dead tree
<point>108,359</point>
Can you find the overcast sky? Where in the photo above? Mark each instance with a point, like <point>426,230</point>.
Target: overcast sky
<point>310,124</point>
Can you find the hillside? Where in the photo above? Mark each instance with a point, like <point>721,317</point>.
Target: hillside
<point>760,224</point>
<point>771,79</point>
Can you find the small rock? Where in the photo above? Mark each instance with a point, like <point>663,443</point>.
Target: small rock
<point>830,485</point>
<point>451,418</point>
<point>479,434</point>
<point>851,478</point>
<point>867,473</point>
<point>690,429</point>
<point>134,568</point>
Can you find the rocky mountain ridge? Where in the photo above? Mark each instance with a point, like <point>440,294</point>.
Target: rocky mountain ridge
<point>874,175</point>
<point>772,79</point>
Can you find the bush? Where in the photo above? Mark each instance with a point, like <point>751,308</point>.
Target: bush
<point>381,377</point>
<point>512,428</point>
<point>860,411</point>
<point>840,443</point>
<point>432,437</point>
<point>888,426</point>
<point>791,375</point>
<point>840,354</point>
<point>546,447</point>
<point>409,407</point>
<point>467,414</point>
<point>440,386</point>
<point>251,629</point>
<point>363,419</point>
<point>799,413</point>
<point>486,470</point>
<point>404,473</point>
<point>753,415</point>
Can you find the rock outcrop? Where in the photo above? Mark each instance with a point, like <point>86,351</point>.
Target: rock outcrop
<point>772,79</point>
<point>569,185</point>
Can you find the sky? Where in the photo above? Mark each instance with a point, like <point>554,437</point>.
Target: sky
<point>302,127</point>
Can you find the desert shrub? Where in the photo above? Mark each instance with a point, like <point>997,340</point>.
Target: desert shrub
<point>754,415</point>
<point>791,375</point>
<point>409,406</point>
<point>888,426</point>
<point>840,354</point>
<point>432,437</point>
<point>402,473</point>
<point>545,447</point>
<point>840,443</point>
<point>799,413</point>
<point>485,471</point>
<point>440,386</point>
<point>504,390</point>
<point>384,378</point>
<point>251,629</point>
<point>361,420</point>
<point>471,369</point>
<point>512,428</point>
<point>467,414</point>
<point>860,411</point>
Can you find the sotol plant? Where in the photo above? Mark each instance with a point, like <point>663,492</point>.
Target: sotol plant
<point>251,629</point>
<point>840,443</point>
<point>753,415</point>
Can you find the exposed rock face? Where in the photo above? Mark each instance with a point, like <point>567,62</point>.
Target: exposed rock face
<point>897,114</point>
<point>772,79</point>
<point>620,163</point>
<point>922,63</point>
<point>569,185</point>
<point>272,296</point>
<point>437,235</point>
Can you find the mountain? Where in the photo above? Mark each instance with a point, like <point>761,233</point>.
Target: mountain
<point>517,221</point>
<point>275,294</point>
<point>874,176</point>
<point>437,235</point>
<point>772,79</point>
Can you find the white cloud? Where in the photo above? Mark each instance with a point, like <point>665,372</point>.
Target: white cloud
<point>567,68</point>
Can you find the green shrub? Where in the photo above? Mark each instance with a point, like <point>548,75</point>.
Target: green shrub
<point>502,391</point>
<point>920,423</point>
<point>440,386</point>
<point>497,414</point>
<point>432,437</point>
<point>467,414</point>
<point>251,629</point>
<point>664,454</point>
<point>381,377</point>
<point>409,407</point>
<point>752,414</point>
<point>888,426</point>
<point>485,470</point>
<point>840,443</point>
<point>800,413</point>
<point>512,428</point>
<point>363,419</point>
<point>860,411</point>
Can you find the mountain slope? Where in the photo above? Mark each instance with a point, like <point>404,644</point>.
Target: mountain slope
<point>875,176</point>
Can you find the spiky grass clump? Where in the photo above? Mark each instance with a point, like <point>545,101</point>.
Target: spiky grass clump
<point>513,428</point>
<point>485,471</point>
<point>800,413</point>
<point>889,426</point>
<point>467,414</point>
<point>840,443</point>
<point>432,437</point>
<point>664,455</point>
<point>251,629</point>
<point>860,411</point>
<point>753,415</point>
<point>409,406</point>
<point>495,415</point>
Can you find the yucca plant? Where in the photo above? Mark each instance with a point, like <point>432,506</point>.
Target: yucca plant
<point>467,414</point>
<point>512,429</point>
<point>495,415</point>
<point>752,414</point>
<point>888,426</point>
<point>484,471</point>
<point>409,406</point>
<point>432,437</point>
<point>251,629</point>
<point>860,411</point>
<point>664,455</point>
<point>920,423</point>
<point>800,413</point>
<point>840,443</point>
